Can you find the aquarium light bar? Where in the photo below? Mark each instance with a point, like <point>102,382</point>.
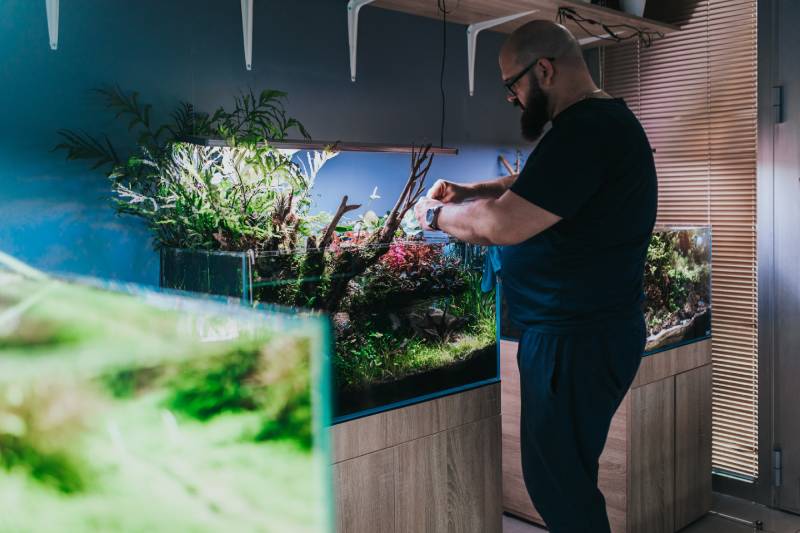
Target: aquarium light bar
<point>336,146</point>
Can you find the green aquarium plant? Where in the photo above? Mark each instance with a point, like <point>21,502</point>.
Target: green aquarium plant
<point>400,307</point>
<point>205,415</point>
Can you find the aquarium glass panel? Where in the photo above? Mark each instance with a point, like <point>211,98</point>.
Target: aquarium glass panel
<point>129,410</point>
<point>413,325</point>
<point>677,287</point>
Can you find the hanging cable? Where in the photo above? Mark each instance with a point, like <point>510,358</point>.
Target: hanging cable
<point>613,32</point>
<point>442,5</point>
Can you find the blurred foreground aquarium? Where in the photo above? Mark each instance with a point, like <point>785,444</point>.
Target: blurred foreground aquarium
<point>124,409</point>
<point>413,326</point>
<point>677,289</point>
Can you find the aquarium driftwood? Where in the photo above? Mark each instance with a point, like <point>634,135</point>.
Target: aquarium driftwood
<point>354,261</point>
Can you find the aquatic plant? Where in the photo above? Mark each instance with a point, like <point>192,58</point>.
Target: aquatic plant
<point>248,379</point>
<point>252,119</point>
<point>676,280</point>
<point>39,430</point>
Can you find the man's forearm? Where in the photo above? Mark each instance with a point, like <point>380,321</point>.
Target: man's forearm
<point>494,188</point>
<point>470,221</point>
<point>503,221</point>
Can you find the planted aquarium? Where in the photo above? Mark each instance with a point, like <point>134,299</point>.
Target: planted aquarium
<point>133,410</point>
<point>677,289</point>
<point>233,214</point>
<point>413,325</point>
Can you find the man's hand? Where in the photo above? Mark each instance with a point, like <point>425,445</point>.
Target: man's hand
<point>448,192</point>
<point>421,211</point>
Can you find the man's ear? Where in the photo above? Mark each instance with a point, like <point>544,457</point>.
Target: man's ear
<point>545,72</point>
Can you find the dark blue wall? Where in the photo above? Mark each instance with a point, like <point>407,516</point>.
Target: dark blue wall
<point>56,215</point>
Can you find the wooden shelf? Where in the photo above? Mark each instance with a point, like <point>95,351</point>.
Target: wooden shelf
<point>472,11</point>
<point>339,146</point>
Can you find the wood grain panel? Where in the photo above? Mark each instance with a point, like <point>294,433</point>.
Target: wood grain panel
<point>668,363</point>
<point>613,474</point>
<point>692,445</point>
<point>474,495</point>
<point>415,421</point>
<point>515,496</point>
<point>469,11</point>
<point>365,493</point>
<point>651,475</point>
<point>467,407</point>
<point>359,437</point>
<point>390,428</point>
<point>421,485</point>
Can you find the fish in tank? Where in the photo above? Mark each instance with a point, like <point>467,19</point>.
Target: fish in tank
<point>124,409</point>
<point>677,289</point>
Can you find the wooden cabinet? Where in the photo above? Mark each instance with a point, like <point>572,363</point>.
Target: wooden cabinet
<point>431,467</point>
<point>655,471</point>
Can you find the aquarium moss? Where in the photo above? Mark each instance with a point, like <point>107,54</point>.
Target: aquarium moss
<point>155,420</point>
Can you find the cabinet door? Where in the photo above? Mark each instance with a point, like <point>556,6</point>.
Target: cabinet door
<point>651,478</point>
<point>365,493</point>
<point>474,492</point>
<point>692,445</point>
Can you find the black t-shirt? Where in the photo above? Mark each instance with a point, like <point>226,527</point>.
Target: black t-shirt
<point>594,168</point>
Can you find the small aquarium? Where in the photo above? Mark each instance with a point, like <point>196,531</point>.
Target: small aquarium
<point>413,325</point>
<point>130,410</point>
<point>677,289</point>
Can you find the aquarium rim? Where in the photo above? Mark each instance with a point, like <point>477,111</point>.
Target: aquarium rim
<point>195,301</point>
<point>426,241</point>
<point>415,400</point>
<point>645,353</point>
<point>678,227</point>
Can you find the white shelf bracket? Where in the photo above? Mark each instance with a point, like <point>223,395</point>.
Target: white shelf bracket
<point>52,22</point>
<point>472,40</point>
<point>247,32</point>
<point>353,7</point>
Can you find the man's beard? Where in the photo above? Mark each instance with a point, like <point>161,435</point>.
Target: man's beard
<point>534,115</point>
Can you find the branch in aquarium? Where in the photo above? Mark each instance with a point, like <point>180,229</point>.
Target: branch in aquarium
<point>343,209</point>
<point>420,165</point>
<point>353,262</point>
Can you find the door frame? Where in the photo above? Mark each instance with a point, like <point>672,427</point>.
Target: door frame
<point>761,490</point>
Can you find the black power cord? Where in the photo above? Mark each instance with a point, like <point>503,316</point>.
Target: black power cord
<point>442,5</point>
<point>613,32</point>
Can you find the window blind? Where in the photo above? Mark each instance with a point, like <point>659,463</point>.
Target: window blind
<point>695,93</point>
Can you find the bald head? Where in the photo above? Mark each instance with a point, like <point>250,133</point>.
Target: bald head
<point>542,38</point>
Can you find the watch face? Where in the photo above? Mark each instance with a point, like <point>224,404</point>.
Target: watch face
<point>429,216</point>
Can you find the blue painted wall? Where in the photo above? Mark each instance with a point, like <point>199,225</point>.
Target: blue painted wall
<point>57,216</point>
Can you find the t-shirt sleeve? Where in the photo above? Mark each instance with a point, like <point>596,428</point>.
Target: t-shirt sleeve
<point>566,169</point>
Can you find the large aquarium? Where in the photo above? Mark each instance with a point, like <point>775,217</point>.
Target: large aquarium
<point>413,325</point>
<point>129,410</point>
<point>677,289</point>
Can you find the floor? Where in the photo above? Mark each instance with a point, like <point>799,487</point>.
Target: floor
<point>773,521</point>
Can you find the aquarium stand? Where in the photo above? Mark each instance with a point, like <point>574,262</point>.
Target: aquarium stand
<point>655,471</point>
<point>432,466</point>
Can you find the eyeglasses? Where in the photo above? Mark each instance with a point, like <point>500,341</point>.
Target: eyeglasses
<point>509,85</point>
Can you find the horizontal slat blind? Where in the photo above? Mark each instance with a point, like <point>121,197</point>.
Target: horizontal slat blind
<point>695,93</point>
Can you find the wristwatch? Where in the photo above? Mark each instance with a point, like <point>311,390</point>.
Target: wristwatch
<point>432,217</point>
